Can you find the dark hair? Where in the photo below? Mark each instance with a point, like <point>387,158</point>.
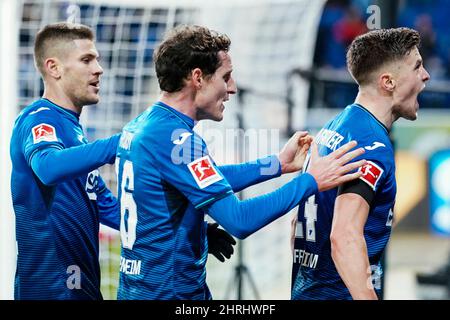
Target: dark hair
<point>370,51</point>
<point>184,49</point>
<point>52,34</point>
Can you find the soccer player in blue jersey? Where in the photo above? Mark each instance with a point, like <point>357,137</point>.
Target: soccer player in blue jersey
<point>341,233</point>
<point>59,198</point>
<point>168,182</point>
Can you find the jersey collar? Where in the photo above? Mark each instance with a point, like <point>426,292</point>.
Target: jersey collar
<point>188,120</point>
<point>62,109</point>
<point>378,121</point>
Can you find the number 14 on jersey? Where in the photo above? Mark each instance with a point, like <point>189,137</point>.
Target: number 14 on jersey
<point>310,218</point>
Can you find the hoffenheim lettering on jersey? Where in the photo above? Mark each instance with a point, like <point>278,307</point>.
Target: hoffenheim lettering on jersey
<point>128,266</point>
<point>306,259</point>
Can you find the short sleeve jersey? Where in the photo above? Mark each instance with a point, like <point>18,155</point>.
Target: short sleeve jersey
<point>314,274</point>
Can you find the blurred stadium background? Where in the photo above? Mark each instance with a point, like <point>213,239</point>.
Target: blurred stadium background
<point>289,64</point>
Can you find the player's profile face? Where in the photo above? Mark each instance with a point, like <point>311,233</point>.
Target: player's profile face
<point>216,90</point>
<point>411,77</point>
<point>81,73</point>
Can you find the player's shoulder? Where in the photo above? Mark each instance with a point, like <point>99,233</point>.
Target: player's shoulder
<point>355,118</point>
<point>42,107</point>
<point>358,124</point>
<point>35,114</point>
<point>37,111</point>
<point>158,118</point>
<point>160,128</point>
<point>362,126</point>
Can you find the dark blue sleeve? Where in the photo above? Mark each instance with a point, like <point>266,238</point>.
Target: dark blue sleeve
<point>242,218</point>
<point>241,176</point>
<point>52,165</point>
<point>108,207</point>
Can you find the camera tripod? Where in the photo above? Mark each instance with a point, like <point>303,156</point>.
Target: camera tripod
<point>240,273</point>
<point>240,270</point>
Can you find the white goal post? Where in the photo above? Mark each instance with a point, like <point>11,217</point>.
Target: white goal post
<point>9,27</point>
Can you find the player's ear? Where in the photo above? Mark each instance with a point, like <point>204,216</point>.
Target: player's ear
<point>53,67</point>
<point>197,78</point>
<point>387,81</point>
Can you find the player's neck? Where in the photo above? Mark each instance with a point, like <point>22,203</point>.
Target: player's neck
<point>380,106</point>
<point>61,99</point>
<point>180,101</point>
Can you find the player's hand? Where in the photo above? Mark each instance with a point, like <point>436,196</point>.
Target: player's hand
<point>293,154</point>
<point>332,170</point>
<point>220,242</point>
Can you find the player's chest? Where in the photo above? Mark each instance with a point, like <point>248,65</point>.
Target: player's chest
<point>74,136</point>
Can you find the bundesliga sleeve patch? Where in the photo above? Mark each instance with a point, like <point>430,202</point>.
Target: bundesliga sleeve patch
<point>44,132</point>
<point>371,174</point>
<point>204,172</point>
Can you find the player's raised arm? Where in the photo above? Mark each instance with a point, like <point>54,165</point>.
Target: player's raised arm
<point>290,159</point>
<point>52,165</point>
<point>331,171</point>
<point>242,218</point>
<point>243,175</point>
<point>293,154</point>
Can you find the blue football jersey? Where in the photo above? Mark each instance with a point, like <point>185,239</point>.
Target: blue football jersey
<point>56,226</point>
<point>165,178</point>
<point>314,274</point>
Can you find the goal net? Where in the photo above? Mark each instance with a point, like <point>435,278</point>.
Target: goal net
<point>270,40</point>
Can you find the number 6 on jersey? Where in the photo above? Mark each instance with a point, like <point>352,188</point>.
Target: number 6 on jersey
<point>128,211</point>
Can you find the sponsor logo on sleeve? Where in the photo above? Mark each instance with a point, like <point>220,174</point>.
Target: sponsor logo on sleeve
<point>92,181</point>
<point>182,138</point>
<point>371,174</point>
<point>39,110</point>
<point>44,132</point>
<point>204,172</point>
<point>375,145</point>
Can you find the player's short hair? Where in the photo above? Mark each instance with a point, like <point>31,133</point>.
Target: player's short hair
<point>52,36</point>
<point>184,49</point>
<point>371,50</point>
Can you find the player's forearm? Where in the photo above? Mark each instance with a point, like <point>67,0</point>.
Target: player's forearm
<point>53,166</point>
<point>108,206</point>
<point>243,175</point>
<point>109,210</point>
<point>242,218</point>
<point>349,253</point>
